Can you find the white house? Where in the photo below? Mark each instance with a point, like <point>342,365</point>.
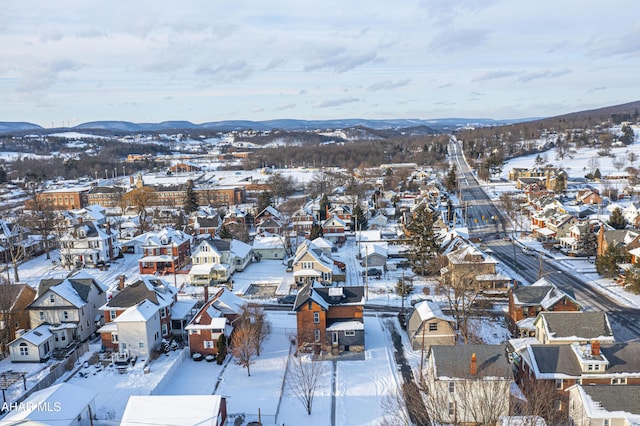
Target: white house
<point>88,244</point>
<point>139,329</point>
<point>33,345</point>
<point>269,247</point>
<point>58,405</point>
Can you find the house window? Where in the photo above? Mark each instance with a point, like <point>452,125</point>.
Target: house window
<point>52,298</point>
<point>316,335</point>
<point>307,265</point>
<point>316,317</point>
<point>114,337</point>
<point>433,326</point>
<point>164,329</point>
<point>596,367</point>
<point>24,349</point>
<point>452,408</point>
<point>350,333</point>
<point>557,404</point>
<point>559,384</point>
<point>112,315</point>
<point>41,315</point>
<point>65,315</point>
<point>619,381</point>
<point>141,344</point>
<point>606,422</point>
<point>590,367</point>
<point>452,387</point>
<point>163,313</point>
<point>208,344</point>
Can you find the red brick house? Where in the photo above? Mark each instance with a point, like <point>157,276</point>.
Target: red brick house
<point>333,230</point>
<point>526,302</point>
<point>14,316</point>
<point>165,252</point>
<point>215,318</point>
<point>330,319</point>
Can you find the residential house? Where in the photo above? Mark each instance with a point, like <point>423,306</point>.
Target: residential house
<point>269,226</point>
<point>607,405</point>
<point>16,242</point>
<point>62,404</point>
<point>330,319</point>
<point>165,252</point>
<point>208,266</point>
<point>236,221</point>
<point>325,246</point>
<point>565,365</point>
<point>138,330</point>
<point>202,225</point>
<point>268,213</point>
<point>311,265</point>
<point>342,212</point>
<point>468,384</point>
<point>588,196</point>
<point>427,326</point>
<point>470,265</point>
<point>130,297</point>
<point>573,327</point>
<point>333,229</point>
<point>214,319</point>
<point>269,247</point>
<point>526,302</point>
<point>202,410</point>
<point>560,225</point>
<point>624,239</point>
<point>88,244</point>
<point>14,300</point>
<point>302,221</point>
<point>70,306</point>
<point>631,212</point>
<point>34,345</point>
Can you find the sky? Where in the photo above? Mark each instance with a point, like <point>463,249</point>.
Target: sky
<point>72,61</point>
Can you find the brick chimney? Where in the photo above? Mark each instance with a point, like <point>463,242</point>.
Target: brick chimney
<point>595,348</point>
<point>474,366</point>
<point>121,282</point>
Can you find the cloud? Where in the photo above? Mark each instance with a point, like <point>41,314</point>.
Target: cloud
<point>388,85</point>
<point>451,40</point>
<point>525,78</point>
<point>45,75</point>
<point>285,107</point>
<point>336,102</point>
<point>492,75</point>
<point>340,61</point>
<point>597,89</point>
<point>233,71</point>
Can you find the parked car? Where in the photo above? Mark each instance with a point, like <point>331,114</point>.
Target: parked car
<point>289,299</point>
<point>372,272</point>
<point>528,251</point>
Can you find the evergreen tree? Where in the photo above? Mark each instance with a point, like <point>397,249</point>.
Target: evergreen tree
<point>617,220</point>
<point>325,205</point>
<point>190,199</point>
<point>3,175</point>
<point>360,221</point>
<point>607,264</point>
<point>224,233</point>
<point>451,181</point>
<point>221,346</point>
<point>316,231</point>
<point>426,243</point>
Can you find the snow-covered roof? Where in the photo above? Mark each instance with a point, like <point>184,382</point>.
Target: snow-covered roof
<point>182,308</point>
<point>66,402</point>
<point>199,410</point>
<point>201,269</point>
<point>346,326</point>
<point>141,312</point>
<point>67,292</point>
<point>428,310</point>
<point>240,249</point>
<point>37,336</point>
<point>267,243</point>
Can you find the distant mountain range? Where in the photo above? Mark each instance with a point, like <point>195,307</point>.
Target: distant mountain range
<point>229,125</point>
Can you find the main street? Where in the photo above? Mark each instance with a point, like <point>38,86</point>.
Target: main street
<point>485,221</point>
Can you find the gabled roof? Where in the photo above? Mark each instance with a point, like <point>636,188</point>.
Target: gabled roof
<point>610,401</point>
<point>36,336</point>
<point>576,325</point>
<point>74,289</point>
<point>429,310</point>
<point>213,313</point>
<point>11,293</point>
<point>454,361</point>
<point>333,221</point>
<point>209,243</point>
<point>202,410</point>
<point>152,289</point>
<point>541,293</point>
<point>143,311</point>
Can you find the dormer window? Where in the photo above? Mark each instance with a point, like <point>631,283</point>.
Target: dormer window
<point>52,298</point>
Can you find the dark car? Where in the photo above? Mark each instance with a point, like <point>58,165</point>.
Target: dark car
<point>289,299</point>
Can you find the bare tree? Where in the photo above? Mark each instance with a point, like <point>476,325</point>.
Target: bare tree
<point>243,346</point>
<point>141,198</point>
<point>259,324</point>
<point>304,378</point>
<point>462,291</point>
<point>540,400</point>
<point>618,162</point>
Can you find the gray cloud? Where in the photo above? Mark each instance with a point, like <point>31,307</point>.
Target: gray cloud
<point>389,85</point>
<point>525,78</point>
<point>45,75</point>
<point>336,102</point>
<point>451,40</point>
<point>233,71</point>
<point>340,61</point>
<point>491,75</point>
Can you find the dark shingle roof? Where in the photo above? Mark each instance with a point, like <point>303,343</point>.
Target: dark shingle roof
<point>616,398</point>
<point>132,295</point>
<point>349,294</point>
<point>82,286</point>
<point>622,357</point>
<point>531,295</point>
<point>455,360</point>
<point>587,325</point>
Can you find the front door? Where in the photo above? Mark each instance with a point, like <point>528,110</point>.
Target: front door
<point>334,338</point>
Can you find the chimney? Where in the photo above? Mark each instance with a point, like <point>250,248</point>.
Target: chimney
<point>474,367</point>
<point>206,293</point>
<point>595,348</point>
<point>121,282</point>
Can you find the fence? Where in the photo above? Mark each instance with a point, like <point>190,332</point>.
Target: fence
<point>56,371</point>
